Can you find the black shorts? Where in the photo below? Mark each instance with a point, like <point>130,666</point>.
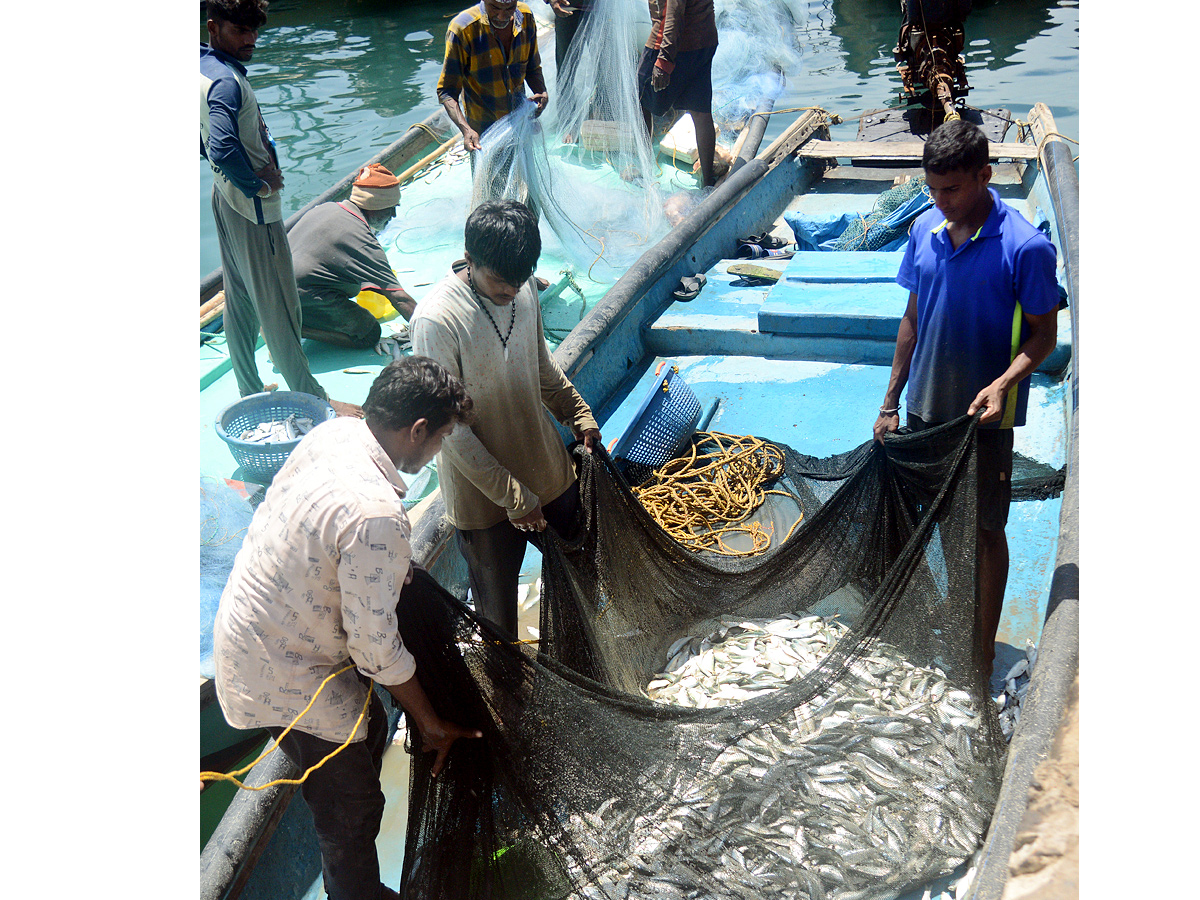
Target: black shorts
<point>994,464</point>
<point>691,82</point>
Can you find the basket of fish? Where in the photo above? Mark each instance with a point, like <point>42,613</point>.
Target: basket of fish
<point>262,429</point>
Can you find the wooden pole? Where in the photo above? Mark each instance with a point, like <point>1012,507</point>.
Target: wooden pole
<point>213,308</point>
<point>424,161</point>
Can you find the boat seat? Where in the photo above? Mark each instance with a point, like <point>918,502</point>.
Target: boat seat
<point>727,317</point>
<point>847,293</point>
<point>835,306</point>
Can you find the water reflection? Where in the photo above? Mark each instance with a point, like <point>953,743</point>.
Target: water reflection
<point>996,29</point>
<point>339,80</point>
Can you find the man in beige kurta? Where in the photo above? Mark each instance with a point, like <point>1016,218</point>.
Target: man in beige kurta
<point>508,474</point>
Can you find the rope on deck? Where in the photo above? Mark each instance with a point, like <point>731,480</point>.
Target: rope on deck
<point>688,494</point>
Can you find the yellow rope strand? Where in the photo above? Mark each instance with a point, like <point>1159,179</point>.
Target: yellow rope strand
<point>687,495</point>
<point>232,776</point>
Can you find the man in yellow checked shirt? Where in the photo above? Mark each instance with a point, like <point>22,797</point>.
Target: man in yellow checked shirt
<point>491,54</point>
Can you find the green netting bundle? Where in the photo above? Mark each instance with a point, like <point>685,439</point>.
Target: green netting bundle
<point>888,219</point>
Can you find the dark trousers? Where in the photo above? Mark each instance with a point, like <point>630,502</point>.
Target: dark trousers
<point>346,803</point>
<point>564,32</point>
<point>494,556</point>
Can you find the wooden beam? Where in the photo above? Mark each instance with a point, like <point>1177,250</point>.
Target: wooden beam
<point>796,134</point>
<point>901,150</point>
<point>213,308</point>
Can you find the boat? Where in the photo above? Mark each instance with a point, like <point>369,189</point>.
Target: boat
<point>747,353</point>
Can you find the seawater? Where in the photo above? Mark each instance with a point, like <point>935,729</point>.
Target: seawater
<point>340,80</point>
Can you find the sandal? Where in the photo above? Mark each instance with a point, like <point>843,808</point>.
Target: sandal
<point>689,287</point>
<point>766,240</point>
<point>752,275</point>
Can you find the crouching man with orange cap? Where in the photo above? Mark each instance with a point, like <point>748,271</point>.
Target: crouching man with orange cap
<point>337,254</point>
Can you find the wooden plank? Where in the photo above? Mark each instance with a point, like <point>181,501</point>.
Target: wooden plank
<point>812,122</point>
<point>901,150</point>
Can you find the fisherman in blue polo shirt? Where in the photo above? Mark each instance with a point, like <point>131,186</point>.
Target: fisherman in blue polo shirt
<point>981,317</point>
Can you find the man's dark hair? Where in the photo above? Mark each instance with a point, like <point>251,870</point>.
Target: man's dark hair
<point>956,146</point>
<point>502,235</point>
<point>246,13</point>
<point>416,387</point>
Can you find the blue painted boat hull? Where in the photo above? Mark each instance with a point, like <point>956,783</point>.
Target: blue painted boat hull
<point>807,367</point>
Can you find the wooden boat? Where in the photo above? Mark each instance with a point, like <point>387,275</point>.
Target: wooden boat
<point>798,366</point>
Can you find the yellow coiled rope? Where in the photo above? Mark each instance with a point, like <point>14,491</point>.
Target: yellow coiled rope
<point>720,481</point>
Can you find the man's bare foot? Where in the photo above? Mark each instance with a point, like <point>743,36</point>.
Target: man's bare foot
<point>346,409</point>
<point>273,386</point>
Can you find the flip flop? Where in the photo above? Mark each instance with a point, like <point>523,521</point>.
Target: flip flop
<point>757,251</point>
<point>752,274</point>
<point>766,240</point>
<point>689,287</point>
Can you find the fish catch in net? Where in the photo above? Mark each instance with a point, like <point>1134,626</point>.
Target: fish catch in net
<point>808,723</point>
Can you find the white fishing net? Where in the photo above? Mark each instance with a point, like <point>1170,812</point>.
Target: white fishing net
<point>760,44</point>
<point>588,166</point>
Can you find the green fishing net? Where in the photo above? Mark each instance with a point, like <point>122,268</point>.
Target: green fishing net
<point>880,226</point>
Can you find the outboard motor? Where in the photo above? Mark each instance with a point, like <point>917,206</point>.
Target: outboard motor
<point>928,54</point>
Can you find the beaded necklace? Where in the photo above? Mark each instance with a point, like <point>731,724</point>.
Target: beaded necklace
<point>483,304</point>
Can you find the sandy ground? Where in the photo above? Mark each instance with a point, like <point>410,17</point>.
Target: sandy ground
<point>1045,859</point>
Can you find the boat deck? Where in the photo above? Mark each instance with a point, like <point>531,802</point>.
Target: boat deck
<point>804,362</point>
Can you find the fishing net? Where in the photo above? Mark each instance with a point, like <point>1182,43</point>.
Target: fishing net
<point>598,227</point>
<point>760,43</point>
<point>588,166</point>
<point>888,220</point>
<point>809,723</point>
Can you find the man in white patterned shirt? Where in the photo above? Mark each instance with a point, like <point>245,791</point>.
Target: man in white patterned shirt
<point>313,594</point>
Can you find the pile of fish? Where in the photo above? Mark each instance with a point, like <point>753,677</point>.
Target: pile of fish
<point>1016,683</point>
<point>397,344</point>
<point>288,429</point>
<point>872,788</point>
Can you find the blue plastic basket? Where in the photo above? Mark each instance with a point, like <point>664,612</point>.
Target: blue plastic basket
<point>260,462</point>
<point>661,427</point>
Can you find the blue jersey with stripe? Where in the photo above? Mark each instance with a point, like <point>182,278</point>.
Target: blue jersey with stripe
<point>970,305</point>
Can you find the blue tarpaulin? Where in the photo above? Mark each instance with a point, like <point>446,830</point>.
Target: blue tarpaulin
<point>830,233</point>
